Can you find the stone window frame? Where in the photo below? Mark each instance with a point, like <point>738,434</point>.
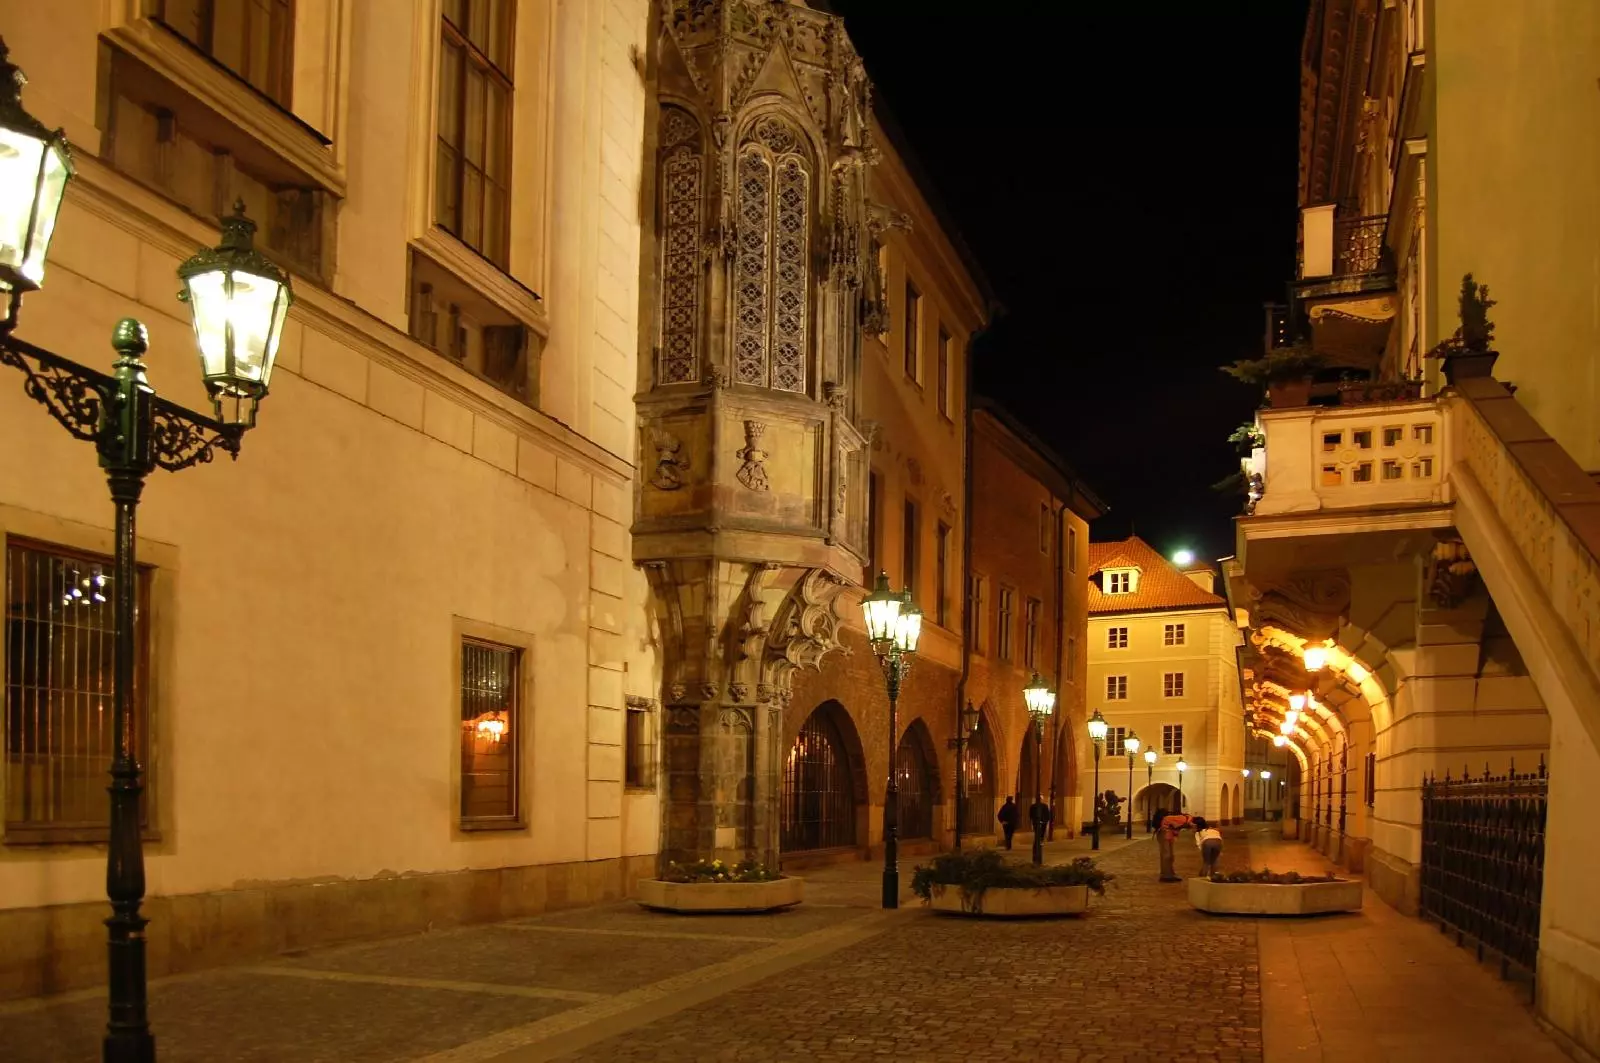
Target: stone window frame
<point>1116,688</point>
<point>1005,620</point>
<point>1032,624</point>
<point>977,613</point>
<point>1172,739</point>
<point>1117,637</point>
<point>161,562</point>
<point>1173,684</point>
<point>912,332</point>
<point>464,629</point>
<point>515,289</point>
<point>641,776</point>
<point>1175,634</point>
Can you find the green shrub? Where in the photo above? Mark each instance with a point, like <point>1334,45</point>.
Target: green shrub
<point>977,870</point>
<point>717,871</point>
<point>1268,877</point>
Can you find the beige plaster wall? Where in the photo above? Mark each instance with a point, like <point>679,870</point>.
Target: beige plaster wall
<point>306,719</point>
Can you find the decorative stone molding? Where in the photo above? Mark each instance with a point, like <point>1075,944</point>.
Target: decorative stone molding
<point>670,463</point>
<point>753,473</point>
<point>1312,604</point>
<point>1451,575</point>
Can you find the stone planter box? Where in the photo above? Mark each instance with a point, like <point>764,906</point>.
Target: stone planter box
<point>1010,903</point>
<point>721,896</point>
<point>1260,898</point>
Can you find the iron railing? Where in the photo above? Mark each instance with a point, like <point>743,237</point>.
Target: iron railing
<point>1483,863</point>
<point>1358,245</point>
<point>819,806</point>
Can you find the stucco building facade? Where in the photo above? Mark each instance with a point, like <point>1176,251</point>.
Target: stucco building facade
<point>1163,665</point>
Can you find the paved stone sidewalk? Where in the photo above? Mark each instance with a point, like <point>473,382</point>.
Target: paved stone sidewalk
<point>1141,978</point>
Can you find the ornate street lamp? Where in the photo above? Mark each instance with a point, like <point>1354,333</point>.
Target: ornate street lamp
<point>965,726</point>
<point>238,300</point>
<point>1316,658</point>
<point>1183,766</point>
<point>1130,745</point>
<point>1150,757</point>
<point>1097,735</point>
<point>894,626</point>
<point>1041,702</point>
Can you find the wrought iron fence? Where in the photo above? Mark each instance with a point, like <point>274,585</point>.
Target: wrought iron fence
<point>1483,862</point>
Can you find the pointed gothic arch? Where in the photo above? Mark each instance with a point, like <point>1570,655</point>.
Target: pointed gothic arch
<point>823,781</point>
<point>917,774</point>
<point>979,775</point>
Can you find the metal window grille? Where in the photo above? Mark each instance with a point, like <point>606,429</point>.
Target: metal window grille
<point>60,646</point>
<point>490,733</point>
<point>916,786</point>
<point>819,807</point>
<point>978,810</point>
<point>1483,863</point>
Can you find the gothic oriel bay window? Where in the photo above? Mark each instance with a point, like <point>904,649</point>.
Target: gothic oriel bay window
<point>682,190</point>
<point>772,266</point>
<point>254,39</point>
<point>491,720</point>
<point>473,164</point>
<point>60,639</point>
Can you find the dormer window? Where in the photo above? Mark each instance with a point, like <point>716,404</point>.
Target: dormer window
<point>1121,580</point>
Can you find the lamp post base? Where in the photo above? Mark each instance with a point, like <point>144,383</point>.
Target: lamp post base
<point>891,889</point>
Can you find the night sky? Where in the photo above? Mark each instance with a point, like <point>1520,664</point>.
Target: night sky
<point>1125,175</point>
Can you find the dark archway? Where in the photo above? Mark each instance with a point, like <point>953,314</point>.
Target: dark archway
<point>820,784</point>
<point>1029,780</point>
<point>978,780</point>
<point>918,779</point>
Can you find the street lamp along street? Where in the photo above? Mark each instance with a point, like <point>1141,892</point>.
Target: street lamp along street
<point>1041,702</point>
<point>1097,736</point>
<point>894,627</point>
<point>1150,758</point>
<point>1130,745</point>
<point>239,301</point>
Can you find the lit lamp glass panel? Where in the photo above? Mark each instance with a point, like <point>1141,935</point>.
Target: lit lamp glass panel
<point>34,168</point>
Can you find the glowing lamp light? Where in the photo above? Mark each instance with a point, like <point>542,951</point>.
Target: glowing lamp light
<point>1247,773</point>
<point>1297,703</point>
<point>1132,744</point>
<point>1280,741</point>
<point>35,165</point>
<point>1040,699</point>
<point>1150,756</point>
<point>1266,774</point>
<point>1316,658</point>
<point>908,626</point>
<point>1183,557</point>
<point>492,728</point>
<point>1287,727</point>
<point>881,609</point>
<point>1097,727</point>
<point>1183,765</point>
<point>239,300</point>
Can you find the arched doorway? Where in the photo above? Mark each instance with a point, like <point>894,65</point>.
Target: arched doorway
<point>1027,771</point>
<point>918,780</point>
<point>1160,795</point>
<point>977,779</point>
<point>819,785</point>
<point>1238,803</point>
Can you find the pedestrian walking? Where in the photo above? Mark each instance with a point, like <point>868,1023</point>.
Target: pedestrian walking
<point>1167,833</point>
<point>1208,840</point>
<point>1039,815</point>
<point>1008,819</point>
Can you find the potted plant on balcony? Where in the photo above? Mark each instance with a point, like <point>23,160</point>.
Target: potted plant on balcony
<point>1467,352</point>
<point>1286,372</point>
<point>983,882</point>
<point>714,886</point>
<point>1247,439</point>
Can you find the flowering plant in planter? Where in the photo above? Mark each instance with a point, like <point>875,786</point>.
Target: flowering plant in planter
<point>1268,877</point>
<point>703,871</point>
<point>976,871</point>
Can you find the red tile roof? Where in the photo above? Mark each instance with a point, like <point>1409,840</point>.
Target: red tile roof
<point>1162,585</point>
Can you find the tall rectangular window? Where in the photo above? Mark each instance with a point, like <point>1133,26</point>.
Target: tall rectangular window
<point>1173,634</point>
<point>874,546</point>
<point>1072,549</point>
<point>913,534</point>
<point>1116,741</point>
<point>976,615</point>
<point>945,361</point>
<point>60,642</point>
<point>1030,632</point>
<point>1045,529</point>
<point>253,39</point>
<point>1172,685</point>
<point>1116,688</point>
<point>472,174</point>
<point>1007,618</point>
<point>490,733</point>
<point>1072,658</point>
<point>639,745</point>
<point>913,332</point>
<point>941,569</point>
<point>1172,739</point>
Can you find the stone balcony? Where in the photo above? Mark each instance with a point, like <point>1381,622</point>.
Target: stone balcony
<point>1378,456</point>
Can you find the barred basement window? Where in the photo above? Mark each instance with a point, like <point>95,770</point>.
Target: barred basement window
<point>639,746</point>
<point>252,39</point>
<point>490,734</point>
<point>60,645</point>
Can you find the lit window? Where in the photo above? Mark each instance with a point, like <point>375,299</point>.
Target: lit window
<point>1172,739</point>
<point>1173,635</point>
<point>1116,688</point>
<point>1331,441</point>
<point>1172,685</point>
<point>1363,473</point>
<point>490,733</point>
<point>1331,476</point>
<point>1116,638</point>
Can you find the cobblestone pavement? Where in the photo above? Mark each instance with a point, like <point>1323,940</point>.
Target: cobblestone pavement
<point>1141,978</point>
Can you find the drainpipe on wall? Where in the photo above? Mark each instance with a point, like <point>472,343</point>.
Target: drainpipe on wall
<point>1061,613</point>
<point>966,588</point>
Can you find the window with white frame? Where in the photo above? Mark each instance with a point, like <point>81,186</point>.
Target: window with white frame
<point>1116,688</point>
<point>1172,685</point>
<point>1172,739</point>
<point>1121,580</point>
<point>1116,737</point>
<point>1173,634</point>
<point>1116,638</point>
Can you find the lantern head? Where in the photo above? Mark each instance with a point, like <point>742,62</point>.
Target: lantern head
<point>35,165</point>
